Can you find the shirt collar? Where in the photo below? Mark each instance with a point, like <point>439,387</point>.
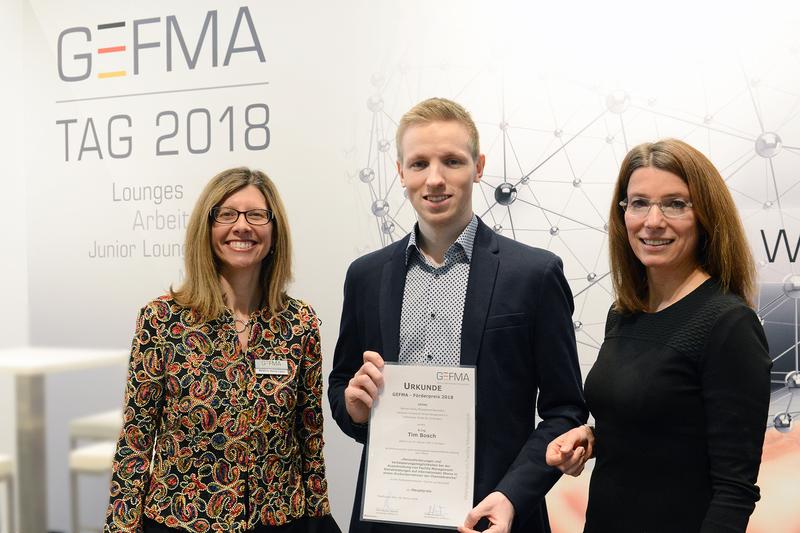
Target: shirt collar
<point>465,240</point>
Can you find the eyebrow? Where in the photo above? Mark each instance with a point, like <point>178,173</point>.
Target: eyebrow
<point>668,195</point>
<point>446,155</point>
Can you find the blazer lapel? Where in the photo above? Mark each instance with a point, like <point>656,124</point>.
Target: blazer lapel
<point>482,275</point>
<point>393,282</point>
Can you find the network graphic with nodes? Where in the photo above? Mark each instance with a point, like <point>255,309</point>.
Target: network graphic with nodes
<point>554,145</point>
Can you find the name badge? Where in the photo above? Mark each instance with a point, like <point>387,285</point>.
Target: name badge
<point>278,367</point>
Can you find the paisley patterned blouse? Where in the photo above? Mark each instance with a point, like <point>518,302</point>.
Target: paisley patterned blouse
<point>210,444</point>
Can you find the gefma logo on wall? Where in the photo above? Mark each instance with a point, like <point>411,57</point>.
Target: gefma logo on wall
<point>156,51</point>
<point>76,53</point>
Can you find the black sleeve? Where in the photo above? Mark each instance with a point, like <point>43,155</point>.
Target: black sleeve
<point>735,373</point>
<point>560,405</point>
<point>347,359</point>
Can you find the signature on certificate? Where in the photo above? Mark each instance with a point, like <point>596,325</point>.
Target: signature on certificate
<point>436,511</point>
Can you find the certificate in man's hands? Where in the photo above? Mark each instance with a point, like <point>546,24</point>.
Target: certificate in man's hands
<point>421,447</point>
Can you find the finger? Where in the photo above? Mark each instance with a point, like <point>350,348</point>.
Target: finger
<point>567,463</point>
<point>374,374</point>
<point>575,466</point>
<point>552,454</point>
<point>555,445</point>
<point>475,514</point>
<point>569,441</point>
<point>365,382</point>
<point>356,394</point>
<point>558,452</point>
<point>374,358</point>
<point>555,457</point>
<point>575,459</point>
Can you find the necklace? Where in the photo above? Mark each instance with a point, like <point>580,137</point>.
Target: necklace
<point>237,322</point>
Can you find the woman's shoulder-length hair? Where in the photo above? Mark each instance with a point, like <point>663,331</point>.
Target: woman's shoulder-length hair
<point>201,289</point>
<point>722,252</point>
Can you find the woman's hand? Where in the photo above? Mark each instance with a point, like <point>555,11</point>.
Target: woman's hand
<point>570,451</point>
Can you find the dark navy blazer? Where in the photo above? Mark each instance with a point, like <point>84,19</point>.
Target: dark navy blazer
<point>517,330</point>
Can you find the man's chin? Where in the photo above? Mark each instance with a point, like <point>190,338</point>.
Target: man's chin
<point>441,219</point>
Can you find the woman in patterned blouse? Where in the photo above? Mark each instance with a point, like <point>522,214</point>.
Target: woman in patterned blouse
<point>223,418</point>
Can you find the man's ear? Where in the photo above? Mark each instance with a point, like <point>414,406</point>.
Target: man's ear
<point>400,173</point>
<point>479,168</point>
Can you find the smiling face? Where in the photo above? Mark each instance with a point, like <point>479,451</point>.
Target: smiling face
<point>662,244</point>
<point>241,247</point>
<point>438,172</point>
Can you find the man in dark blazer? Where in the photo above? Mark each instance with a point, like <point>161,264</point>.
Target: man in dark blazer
<point>454,292</point>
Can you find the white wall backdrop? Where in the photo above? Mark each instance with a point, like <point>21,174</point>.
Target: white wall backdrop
<point>13,266</point>
<point>98,202</point>
<point>13,184</point>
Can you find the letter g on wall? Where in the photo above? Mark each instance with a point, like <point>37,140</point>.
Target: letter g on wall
<point>86,57</point>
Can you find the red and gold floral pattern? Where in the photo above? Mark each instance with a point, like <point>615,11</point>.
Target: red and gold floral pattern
<point>208,444</point>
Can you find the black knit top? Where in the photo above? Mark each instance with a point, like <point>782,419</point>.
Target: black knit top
<point>680,399</point>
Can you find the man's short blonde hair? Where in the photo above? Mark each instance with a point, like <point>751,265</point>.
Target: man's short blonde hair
<point>438,110</point>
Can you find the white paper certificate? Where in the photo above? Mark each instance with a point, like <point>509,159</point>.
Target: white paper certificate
<point>421,447</point>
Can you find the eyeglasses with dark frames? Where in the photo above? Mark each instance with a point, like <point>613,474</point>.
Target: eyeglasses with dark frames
<point>228,215</point>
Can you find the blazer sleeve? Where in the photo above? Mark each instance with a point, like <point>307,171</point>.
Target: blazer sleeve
<point>560,405</point>
<point>144,399</point>
<point>347,359</point>
<point>735,373</point>
<point>308,423</point>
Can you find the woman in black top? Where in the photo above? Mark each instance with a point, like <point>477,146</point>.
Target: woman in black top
<point>680,389</point>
